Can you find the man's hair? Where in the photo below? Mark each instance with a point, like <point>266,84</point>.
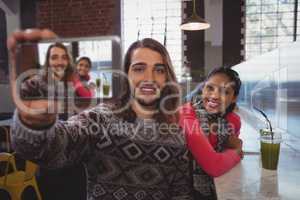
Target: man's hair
<point>69,69</point>
<point>172,102</point>
<point>87,59</point>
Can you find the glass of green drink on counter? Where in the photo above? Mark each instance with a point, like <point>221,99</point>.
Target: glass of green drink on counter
<point>98,82</point>
<point>105,85</point>
<point>106,88</point>
<point>270,148</point>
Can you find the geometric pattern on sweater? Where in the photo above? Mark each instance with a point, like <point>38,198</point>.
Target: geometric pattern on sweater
<point>123,160</point>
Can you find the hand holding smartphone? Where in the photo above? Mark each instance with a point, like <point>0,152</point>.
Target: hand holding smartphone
<point>32,112</point>
<point>46,70</point>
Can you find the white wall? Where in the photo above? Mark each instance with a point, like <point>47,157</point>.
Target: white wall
<point>213,35</point>
<point>214,15</point>
<point>213,56</point>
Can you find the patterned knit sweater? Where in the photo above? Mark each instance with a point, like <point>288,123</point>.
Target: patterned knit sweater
<point>123,160</point>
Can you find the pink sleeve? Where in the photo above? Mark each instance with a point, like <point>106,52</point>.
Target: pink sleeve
<point>235,121</point>
<point>80,90</point>
<point>212,162</point>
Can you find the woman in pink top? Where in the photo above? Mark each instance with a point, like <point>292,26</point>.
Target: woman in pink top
<point>83,68</point>
<point>212,129</point>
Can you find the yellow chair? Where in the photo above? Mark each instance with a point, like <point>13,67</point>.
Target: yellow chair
<point>15,182</point>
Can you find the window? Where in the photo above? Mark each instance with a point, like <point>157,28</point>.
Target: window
<point>269,24</point>
<point>157,19</point>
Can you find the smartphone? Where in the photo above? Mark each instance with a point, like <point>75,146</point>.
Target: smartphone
<point>47,69</point>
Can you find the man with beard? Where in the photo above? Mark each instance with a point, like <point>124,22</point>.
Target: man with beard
<point>147,160</point>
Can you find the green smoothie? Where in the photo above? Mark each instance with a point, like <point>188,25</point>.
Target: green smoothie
<point>98,82</point>
<point>269,155</point>
<point>106,89</point>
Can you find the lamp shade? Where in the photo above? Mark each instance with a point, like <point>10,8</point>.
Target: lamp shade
<point>194,22</point>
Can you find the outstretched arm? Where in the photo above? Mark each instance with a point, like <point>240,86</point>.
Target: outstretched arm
<point>36,133</point>
<point>65,142</point>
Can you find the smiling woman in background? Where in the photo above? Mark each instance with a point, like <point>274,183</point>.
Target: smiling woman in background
<point>210,123</point>
<point>83,68</point>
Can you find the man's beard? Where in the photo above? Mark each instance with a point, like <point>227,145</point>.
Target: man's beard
<point>152,104</point>
<point>58,73</point>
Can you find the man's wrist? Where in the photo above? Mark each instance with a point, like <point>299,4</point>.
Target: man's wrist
<point>36,126</point>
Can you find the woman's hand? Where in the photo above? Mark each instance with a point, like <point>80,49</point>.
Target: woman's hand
<point>92,86</point>
<point>235,143</point>
<point>34,113</point>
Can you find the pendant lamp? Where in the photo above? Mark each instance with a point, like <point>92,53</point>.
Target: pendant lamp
<point>194,22</point>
